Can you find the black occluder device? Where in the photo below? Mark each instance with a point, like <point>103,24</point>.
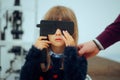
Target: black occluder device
<point>50,27</point>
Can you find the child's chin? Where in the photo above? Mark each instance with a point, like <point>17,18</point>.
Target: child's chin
<point>59,44</point>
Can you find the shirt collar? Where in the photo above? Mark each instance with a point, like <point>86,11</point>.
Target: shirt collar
<point>60,55</point>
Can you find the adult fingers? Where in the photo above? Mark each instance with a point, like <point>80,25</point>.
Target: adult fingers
<point>81,49</point>
<point>81,52</point>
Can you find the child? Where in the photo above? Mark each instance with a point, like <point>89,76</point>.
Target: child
<point>62,62</point>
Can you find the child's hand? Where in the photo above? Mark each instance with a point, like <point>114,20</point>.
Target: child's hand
<point>42,43</point>
<point>69,41</point>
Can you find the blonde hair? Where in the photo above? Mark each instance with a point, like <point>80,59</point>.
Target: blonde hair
<point>65,14</point>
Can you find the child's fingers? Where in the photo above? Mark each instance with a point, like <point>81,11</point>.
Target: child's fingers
<point>64,38</point>
<point>68,39</point>
<point>46,41</point>
<point>67,35</point>
<point>42,38</point>
<point>44,45</point>
<point>41,45</point>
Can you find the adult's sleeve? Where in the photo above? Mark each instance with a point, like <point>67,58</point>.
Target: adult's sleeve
<point>111,34</point>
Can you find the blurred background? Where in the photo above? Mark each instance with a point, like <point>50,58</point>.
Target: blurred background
<point>18,31</point>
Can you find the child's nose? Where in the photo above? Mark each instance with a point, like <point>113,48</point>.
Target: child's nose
<point>58,32</point>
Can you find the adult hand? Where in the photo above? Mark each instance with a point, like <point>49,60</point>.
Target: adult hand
<point>42,43</point>
<point>88,49</point>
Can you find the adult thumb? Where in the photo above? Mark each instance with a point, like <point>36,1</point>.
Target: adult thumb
<point>81,51</point>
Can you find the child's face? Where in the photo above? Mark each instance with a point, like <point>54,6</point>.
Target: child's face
<point>56,39</point>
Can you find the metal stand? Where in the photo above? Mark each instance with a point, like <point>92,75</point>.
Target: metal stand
<point>19,56</point>
<point>0,60</point>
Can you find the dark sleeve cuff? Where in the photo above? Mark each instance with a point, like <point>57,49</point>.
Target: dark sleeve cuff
<point>70,52</point>
<point>75,67</point>
<point>36,54</point>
